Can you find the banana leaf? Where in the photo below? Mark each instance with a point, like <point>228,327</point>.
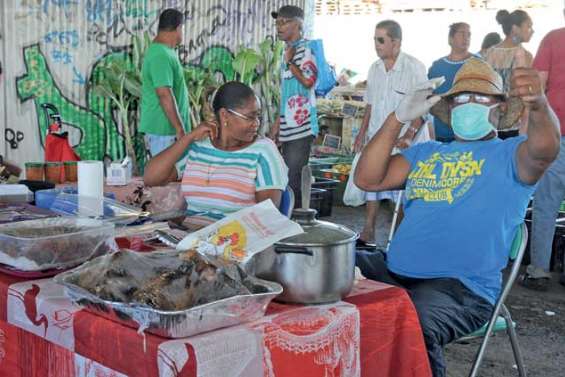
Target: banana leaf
<point>245,63</point>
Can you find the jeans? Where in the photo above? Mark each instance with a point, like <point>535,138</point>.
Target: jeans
<point>158,143</point>
<point>296,154</point>
<point>547,199</point>
<point>446,308</point>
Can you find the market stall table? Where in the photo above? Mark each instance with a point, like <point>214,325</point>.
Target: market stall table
<point>375,331</point>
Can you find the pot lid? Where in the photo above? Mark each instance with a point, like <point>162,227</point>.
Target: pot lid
<point>317,233</point>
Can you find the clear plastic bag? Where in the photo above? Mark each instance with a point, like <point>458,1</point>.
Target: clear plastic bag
<point>54,243</point>
<point>170,293</point>
<point>353,196</point>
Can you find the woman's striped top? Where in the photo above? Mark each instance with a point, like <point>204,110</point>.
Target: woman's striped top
<point>217,182</point>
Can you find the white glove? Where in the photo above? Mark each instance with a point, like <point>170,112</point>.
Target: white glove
<point>418,101</point>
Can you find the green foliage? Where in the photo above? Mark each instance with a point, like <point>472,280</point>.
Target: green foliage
<point>269,78</point>
<point>258,68</point>
<point>121,84</point>
<point>245,64</point>
<point>199,81</point>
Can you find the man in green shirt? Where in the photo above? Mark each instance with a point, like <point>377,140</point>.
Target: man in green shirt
<point>164,100</point>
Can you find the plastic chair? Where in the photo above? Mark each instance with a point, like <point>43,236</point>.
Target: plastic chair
<point>287,202</point>
<point>504,321</point>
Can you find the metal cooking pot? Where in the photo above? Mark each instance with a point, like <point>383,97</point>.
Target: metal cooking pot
<point>315,267</point>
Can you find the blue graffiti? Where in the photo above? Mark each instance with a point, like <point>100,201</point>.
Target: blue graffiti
<point>100,10</point>
<point>69,37</point>
<point>65,4</point>
<point>63,57</point>
<point>78,77</point>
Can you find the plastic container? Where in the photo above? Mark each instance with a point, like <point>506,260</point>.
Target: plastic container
<point>65,201</point>
<point>53,172</point>
<point>15,194</point>
<point>71,171</point>
<point>35,171</point>
<point>54,243</point>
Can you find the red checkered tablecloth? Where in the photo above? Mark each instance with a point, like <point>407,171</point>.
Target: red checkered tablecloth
<point>375,331</point>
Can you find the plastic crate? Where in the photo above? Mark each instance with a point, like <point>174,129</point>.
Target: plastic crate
<point>330,174</point>
<point>316,199</point>
<point>329,185</point>
<point>317,167</point>
<point>340,186</point>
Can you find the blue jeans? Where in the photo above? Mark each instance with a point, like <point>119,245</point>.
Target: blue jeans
<point>547,199</point>
<point>158,143</point>
<point>446,308</point>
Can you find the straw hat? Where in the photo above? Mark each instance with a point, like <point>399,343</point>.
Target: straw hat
<point>478,76</point>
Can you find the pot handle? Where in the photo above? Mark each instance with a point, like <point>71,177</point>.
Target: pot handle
<point>293,250</point>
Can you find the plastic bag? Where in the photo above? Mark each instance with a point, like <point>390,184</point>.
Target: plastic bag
<point>326,74</point>
<point>353,196</point>
<point>242,234</point>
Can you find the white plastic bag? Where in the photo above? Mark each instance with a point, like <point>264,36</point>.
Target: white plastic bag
<point>353,196</point>
<point>241,234</point>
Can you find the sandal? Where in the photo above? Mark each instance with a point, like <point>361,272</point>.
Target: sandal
<point>536,284</point>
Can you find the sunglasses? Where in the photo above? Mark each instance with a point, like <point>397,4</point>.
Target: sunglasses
<point>463,98</point>
<point>256,118</point>
<point>381,40</point>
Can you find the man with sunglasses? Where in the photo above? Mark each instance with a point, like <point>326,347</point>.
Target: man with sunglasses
<point>464,200</point>
<point>298,122</point>
<point>389,78</point>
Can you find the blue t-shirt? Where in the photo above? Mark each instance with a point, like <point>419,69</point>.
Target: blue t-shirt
<point>464,202</point>
<point>446,68</point>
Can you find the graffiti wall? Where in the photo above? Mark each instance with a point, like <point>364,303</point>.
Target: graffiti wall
<point>50,51</point>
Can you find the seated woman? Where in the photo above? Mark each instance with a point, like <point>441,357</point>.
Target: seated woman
<point>228,166</point>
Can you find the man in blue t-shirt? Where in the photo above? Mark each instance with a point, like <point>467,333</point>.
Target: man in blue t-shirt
<point>459,39</point>
<point>464,200</point>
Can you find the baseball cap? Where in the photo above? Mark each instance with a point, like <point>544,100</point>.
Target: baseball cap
<point>289,11</point>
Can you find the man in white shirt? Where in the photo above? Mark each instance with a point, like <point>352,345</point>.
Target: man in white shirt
<point>389,78</point>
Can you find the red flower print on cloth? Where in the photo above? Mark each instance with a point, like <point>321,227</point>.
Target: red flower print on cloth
<point>301,115</point>
<point>298,109</point>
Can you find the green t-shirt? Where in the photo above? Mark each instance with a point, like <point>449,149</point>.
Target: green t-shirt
<point>162,68</point>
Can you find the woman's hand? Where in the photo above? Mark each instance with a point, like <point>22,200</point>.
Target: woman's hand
<point>204,130</point>
<point>289,54</point>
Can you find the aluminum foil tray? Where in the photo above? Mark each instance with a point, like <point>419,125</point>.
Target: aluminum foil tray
<point>175,324</point>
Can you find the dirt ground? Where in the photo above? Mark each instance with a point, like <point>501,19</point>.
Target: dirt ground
<point>540,318</point>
